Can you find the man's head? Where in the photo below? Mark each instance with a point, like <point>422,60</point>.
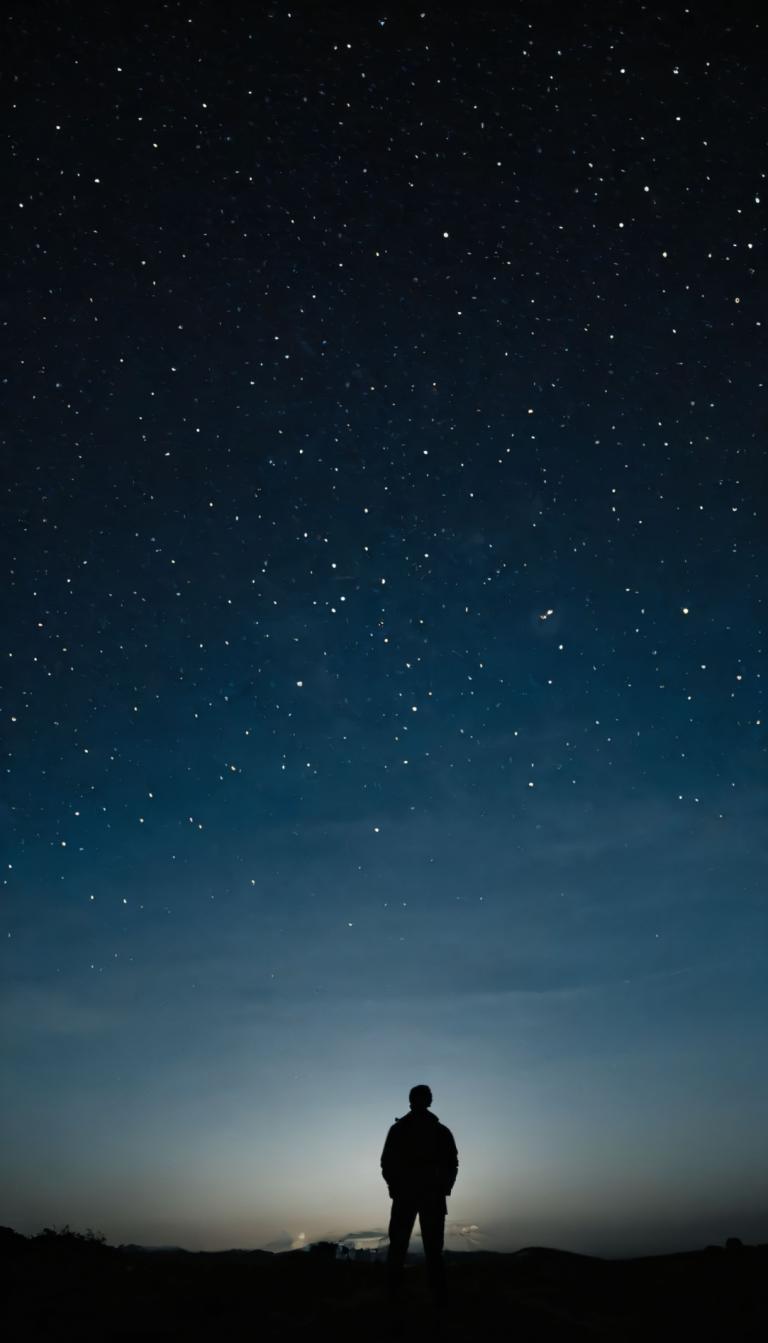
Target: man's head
<point>420,1097</point>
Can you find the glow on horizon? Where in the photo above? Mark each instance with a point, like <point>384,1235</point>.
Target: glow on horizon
<point>574,1152</point>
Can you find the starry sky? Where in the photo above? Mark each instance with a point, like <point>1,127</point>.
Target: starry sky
<point>384,504</point>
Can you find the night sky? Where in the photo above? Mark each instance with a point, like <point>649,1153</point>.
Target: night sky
<point>384,509</point>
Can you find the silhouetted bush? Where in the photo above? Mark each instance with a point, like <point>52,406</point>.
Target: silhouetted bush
<point>65,1238</point>
<point>324,1249</point>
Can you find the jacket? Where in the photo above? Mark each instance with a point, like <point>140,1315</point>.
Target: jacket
<point>419,1156</point>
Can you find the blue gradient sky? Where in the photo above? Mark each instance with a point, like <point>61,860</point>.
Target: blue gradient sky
<point>385,627</point>
<point>603,1088</point>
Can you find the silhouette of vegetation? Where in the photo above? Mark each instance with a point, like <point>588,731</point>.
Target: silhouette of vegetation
<point>66,1236</point>
<point>324,1249</point>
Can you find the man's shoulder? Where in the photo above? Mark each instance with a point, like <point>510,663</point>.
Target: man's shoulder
<point>439,1129</point>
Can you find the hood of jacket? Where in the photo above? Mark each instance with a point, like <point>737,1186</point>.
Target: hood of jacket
<point>418,1117</point>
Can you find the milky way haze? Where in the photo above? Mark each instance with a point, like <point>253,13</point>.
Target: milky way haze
<point>384,505</point>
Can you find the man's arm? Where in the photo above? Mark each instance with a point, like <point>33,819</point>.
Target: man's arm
<point>451,1162</point>
<point>388,1159</point>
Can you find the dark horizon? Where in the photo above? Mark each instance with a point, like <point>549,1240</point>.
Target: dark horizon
<point>362,1246</point>
<point>717,1292</point>
<point>383,684</point>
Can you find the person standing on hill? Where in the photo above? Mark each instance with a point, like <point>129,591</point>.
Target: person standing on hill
<point>419,1164</point>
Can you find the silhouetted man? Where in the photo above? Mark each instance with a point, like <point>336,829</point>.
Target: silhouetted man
<point>419,1164</point>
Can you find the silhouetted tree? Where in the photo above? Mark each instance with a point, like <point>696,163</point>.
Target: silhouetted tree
<point>324,1249</point>
<point>64,1236</point>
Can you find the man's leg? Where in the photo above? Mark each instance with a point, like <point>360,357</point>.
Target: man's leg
<point>432,1222</point>
<point>400,1228</point>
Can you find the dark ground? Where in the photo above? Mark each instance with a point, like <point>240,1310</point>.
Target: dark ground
<point>58,1286</point>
